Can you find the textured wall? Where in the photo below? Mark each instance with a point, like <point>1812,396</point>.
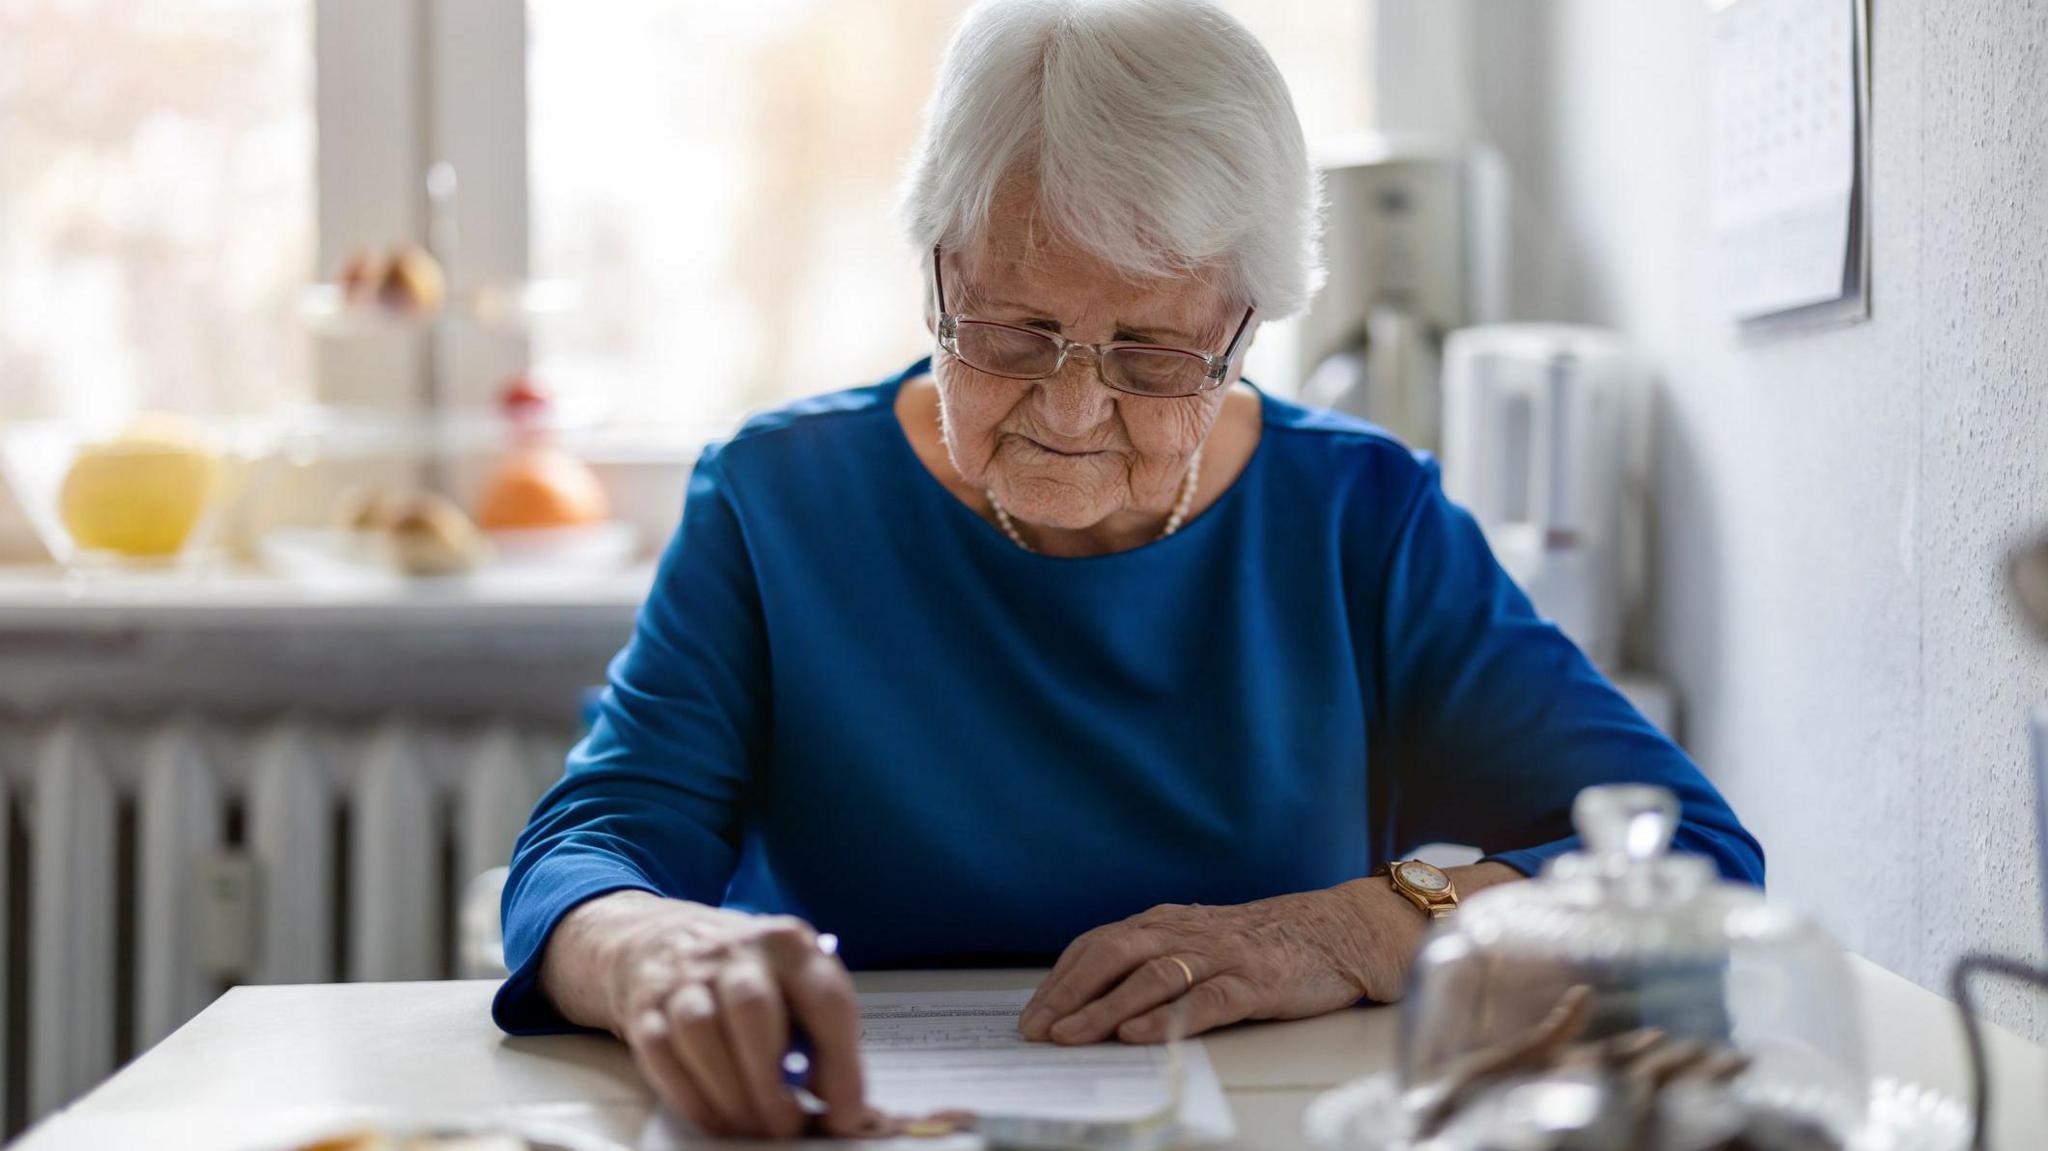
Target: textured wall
<point>1833,506</point>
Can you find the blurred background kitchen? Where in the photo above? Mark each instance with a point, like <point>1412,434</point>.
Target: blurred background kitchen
<point>353,354</point>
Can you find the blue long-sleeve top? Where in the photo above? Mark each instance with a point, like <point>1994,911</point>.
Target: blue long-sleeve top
<point>850,698</point>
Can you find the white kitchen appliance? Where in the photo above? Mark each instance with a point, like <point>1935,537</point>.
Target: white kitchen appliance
<point>1413,250</point>
<point>1542,443</point>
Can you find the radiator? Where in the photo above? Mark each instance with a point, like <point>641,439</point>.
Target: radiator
<point>151,862</point>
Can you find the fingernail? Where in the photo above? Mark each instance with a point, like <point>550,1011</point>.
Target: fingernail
<point>1068,1028</point>
<point>1033,1023</point>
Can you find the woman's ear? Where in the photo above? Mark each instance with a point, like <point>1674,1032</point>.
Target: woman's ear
<point>1244,351</point>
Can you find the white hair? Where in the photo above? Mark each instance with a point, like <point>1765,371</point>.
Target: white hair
<point>1159,133</point>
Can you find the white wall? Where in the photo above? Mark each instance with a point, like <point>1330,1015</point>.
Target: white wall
<point>1833,506</point>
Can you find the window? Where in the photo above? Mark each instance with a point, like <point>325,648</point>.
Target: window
<point>156,204</point>
<point>717,179</point>
<point>720,179</point>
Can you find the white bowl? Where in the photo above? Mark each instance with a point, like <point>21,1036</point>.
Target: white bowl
<point>37,456</point>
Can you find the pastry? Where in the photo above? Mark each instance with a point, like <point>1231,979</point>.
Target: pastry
<point>432,537</point>
<point>369,509</point>
<point>361,277</point>
<point>413,282</point>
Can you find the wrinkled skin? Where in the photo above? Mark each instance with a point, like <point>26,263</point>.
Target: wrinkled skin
<point>704,999</point>
<point>1086,469</point>
<point>1288,957</point>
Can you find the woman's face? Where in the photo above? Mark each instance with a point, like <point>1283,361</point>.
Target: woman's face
<point>1068,451</point>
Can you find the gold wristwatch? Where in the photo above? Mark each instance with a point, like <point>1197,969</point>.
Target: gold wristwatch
<point>1425,886</point>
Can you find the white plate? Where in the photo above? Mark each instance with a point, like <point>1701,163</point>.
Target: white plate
<point>338,557</point>
<point>328,558</point>
<point>586,548</point>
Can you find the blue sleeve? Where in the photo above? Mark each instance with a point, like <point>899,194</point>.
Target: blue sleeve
<point>1494,718</point>
<point>651,799</point>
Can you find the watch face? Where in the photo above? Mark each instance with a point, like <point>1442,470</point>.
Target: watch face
<point>1423,877</point>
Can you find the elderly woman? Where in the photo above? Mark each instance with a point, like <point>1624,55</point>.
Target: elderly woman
<point>1065,644</point>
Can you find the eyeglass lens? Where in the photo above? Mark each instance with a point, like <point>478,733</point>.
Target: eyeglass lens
<point>1018,353</point>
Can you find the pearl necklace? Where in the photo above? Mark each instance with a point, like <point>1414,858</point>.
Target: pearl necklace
<point>1174,519</point>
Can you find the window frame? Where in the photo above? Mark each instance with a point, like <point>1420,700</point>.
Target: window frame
<point>399,86</point>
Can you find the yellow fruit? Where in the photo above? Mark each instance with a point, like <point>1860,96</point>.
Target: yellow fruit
<point>140,494</point>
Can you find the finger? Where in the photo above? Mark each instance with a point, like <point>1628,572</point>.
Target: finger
<point>698,1040</point>
<point>1213,1003</point>
<point>1101,958</point>
<point>1061,967</point>
<point>757,1035</point>
<point>1157,980</point>
<point>820,996</point>
<point>1076,953</point>
<point>649,1042</point>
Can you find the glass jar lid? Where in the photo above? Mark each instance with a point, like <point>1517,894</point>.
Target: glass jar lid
<point>1625,896</point>
<point>1630,977</point>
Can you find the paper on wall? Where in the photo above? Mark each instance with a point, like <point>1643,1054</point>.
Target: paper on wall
<point>1784,139</point>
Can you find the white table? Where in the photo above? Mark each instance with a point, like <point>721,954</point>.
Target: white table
<point>265,1064</point>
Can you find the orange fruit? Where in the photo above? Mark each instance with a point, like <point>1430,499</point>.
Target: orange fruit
<point>543,488</point>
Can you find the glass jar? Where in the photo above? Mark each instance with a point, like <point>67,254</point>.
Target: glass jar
<point>1627,992</point>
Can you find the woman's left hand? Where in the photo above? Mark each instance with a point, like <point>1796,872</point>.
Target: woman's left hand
<point>1288,957</point>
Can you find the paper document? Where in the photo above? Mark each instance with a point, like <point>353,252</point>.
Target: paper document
<point>959,1050</point>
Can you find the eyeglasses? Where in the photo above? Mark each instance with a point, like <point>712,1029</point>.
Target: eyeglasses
<point>1019,353</point>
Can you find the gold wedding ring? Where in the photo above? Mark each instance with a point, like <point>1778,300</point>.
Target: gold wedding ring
<point>1185,970</point>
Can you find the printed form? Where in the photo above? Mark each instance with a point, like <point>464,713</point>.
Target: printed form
<point>960,1051</point>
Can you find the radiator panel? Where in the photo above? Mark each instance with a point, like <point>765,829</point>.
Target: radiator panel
<point>240,870</point>
<point>291,808</point>
<point>72,878</point>
<point>395,907</point>
<point>179,824</point>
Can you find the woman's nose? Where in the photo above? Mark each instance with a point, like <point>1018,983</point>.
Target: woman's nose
<point>1076,399</point>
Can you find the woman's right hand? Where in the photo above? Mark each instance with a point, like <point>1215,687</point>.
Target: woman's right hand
<point>705,1000</point>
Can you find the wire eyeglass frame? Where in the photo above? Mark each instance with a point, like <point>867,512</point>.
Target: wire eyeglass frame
<point>1215,368</point>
